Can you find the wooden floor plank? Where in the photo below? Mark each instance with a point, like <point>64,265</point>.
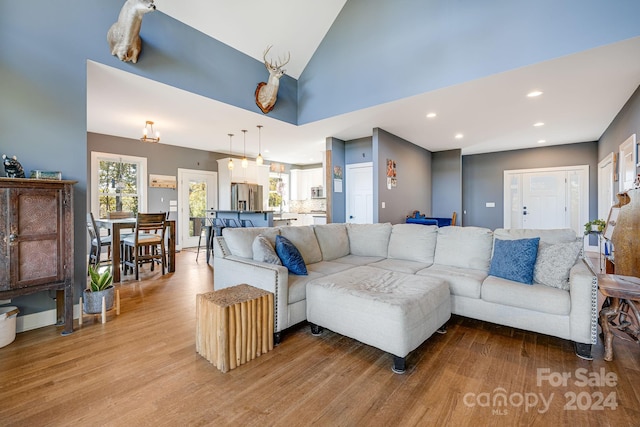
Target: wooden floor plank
<point>141,368</point>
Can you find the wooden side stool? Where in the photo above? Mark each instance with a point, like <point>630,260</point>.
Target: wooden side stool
<point>234,325</point>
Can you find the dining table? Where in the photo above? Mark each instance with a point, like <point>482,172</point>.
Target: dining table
<point>117,225</point>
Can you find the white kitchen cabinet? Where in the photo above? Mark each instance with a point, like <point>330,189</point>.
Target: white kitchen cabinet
<point>302,180</point>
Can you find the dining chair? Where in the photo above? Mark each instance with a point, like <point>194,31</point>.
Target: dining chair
<point>119,215</point>
<point>97,242</point>
<point>142,246</point>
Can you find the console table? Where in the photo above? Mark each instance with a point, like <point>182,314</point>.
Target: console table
<point>621,309</point>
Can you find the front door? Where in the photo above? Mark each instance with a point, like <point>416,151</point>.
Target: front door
<point>547,198</point>
<point>197,192</point>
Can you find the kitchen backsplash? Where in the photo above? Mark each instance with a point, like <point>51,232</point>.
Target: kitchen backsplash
<point>308,206</point>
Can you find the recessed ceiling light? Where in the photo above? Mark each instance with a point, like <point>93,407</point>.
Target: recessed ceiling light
<point>534,93</point>
<point>431,115</point>
<point>538,124</point>
<point>266,151</point>
<point>459,136</point>
<point>542,141</point>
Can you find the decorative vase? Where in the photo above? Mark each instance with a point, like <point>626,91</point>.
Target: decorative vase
<point>92,301</point>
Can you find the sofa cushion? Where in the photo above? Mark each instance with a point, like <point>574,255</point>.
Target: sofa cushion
<point>536,297</point>
<point>515,259</point>
<point>413,242</point>
<point>464,282</point>
<point>298,286</point>
<point>240,240</point>
<point>400,265</point>
<point>328,267</point>
<point>305,240</point>
<point>333,240</point>
<point>263,251</point>
<point>552,236</point>
<point>369,239</point>
<point>554,263</point>
<point>290,256</point>
<point>466,247</point>
<point>358,260</point>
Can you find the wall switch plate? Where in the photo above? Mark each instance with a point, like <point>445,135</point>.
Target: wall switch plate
<point>383,205</point>
<point>491,204</point>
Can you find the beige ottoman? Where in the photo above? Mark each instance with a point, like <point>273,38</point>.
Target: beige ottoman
<point>395,312</point>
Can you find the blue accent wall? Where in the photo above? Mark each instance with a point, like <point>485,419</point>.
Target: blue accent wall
<point>378,51</point>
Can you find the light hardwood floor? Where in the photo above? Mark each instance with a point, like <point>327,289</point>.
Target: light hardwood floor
<point>141,368</point>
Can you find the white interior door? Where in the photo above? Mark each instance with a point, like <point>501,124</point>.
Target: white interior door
<point>197,192</point>
<point>547,198</point>
<point>359,193</point>
<point>605,186</point>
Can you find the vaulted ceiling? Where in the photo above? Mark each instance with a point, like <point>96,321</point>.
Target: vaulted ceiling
<point>582,93</point>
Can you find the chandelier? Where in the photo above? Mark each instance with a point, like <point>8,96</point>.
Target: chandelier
<point>149,134</point>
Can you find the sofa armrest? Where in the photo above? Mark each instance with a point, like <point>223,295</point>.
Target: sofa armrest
<point>583,284</point>
<point>233,270</point>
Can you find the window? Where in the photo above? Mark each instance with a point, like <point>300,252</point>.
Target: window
<point>279,191</point>
<point>118,183</point>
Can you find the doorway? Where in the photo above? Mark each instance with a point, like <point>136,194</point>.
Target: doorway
<point>359,193</point>
<point>197,192</point>
<point>547,198</point>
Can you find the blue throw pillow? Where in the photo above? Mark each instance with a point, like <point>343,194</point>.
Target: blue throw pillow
<point>290,256</point>
<point>515,259</point>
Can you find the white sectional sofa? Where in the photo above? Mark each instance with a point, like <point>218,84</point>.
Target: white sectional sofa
<point>459,256</point>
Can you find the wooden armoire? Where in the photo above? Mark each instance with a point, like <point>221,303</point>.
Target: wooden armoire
<point>36,241</point>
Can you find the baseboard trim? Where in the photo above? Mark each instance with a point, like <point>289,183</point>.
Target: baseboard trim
<point>41,319</point>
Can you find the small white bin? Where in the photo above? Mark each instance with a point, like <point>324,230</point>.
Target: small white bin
<point>8,316</point>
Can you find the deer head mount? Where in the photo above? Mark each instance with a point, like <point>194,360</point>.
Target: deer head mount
<point>124,34</point>
<point>267,93</point>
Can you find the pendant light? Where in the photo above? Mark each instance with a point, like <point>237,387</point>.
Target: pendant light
<point>245,162</point>
<point>230,164</point>
<point>259,159</point>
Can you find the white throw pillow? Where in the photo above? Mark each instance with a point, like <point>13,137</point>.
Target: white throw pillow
<point>554,263</point>
<point>263,251</point>
<point>413,242</point>
<point>369,239</point>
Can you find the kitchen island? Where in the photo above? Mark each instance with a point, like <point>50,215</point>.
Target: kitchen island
<point>255,218</point>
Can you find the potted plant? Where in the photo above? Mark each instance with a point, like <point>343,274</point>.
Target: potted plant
<point>595,225</point>
<point>100,285</point>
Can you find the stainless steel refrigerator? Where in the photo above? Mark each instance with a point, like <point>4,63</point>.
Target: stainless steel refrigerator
<point>246,197</point>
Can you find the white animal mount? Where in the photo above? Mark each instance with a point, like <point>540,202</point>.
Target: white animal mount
<point>124,35</point>
<point>267,93</point>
